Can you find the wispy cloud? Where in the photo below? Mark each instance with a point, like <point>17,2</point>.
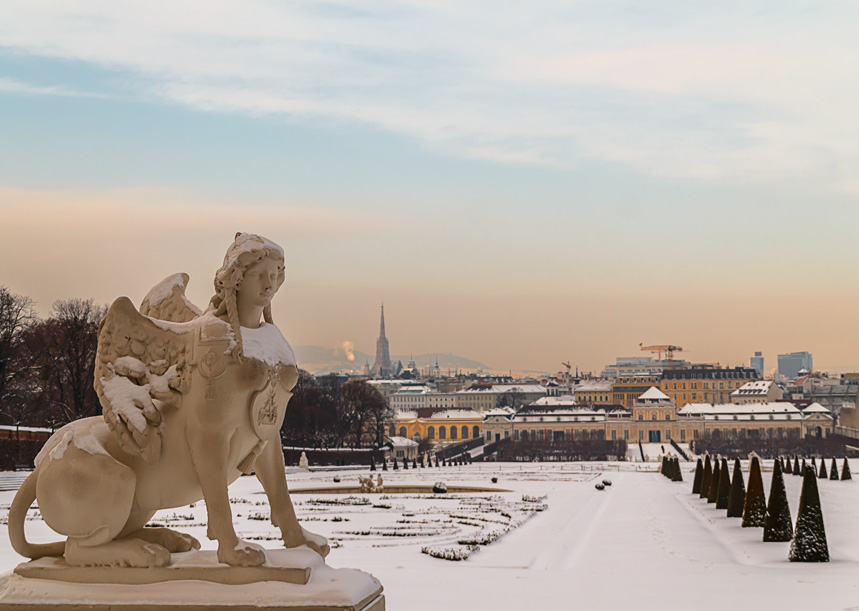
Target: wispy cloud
<point>14,86</point>
<point>693,90</point>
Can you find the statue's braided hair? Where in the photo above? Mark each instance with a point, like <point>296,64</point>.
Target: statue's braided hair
<point>246,250</point>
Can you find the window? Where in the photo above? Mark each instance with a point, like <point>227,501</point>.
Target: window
<point>488,436</point>
<point>431,432</point>
<point>475,431</point>
<point>506,434</point>
<point>626,434</point>
<point>667,433</point>
<point>402,431</point>
<point>516,435</point>
<point>653,417</point>
<point>641,416</point>
<point>613,435</point>
<point>453,434</point>
<point>442,432</point>
<point>682,434</point>
<point>668,416</point>
<point>640,435</point>
<point>465,432</point>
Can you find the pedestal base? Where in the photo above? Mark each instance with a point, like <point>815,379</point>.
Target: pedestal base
<point>327,589</point>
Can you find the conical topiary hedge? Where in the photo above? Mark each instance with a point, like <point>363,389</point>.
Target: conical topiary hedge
<point>678,472</point>
<point>706,477</point>
<point>778,525</point>
<point>699,474</point>
<point>822,473</point>
<point>796,470</point>
<point>845,470</point>
<point>737,496</point>
<point>724,486</point>
<point>809,540</point>
<point>713,492</point>
<point>755,507</point>
<point>833,473</point>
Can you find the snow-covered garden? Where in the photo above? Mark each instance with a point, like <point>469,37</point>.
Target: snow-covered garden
<point>544,537</point>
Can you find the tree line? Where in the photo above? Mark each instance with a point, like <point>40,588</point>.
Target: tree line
<point>47,364</point>
<point>47,367</point>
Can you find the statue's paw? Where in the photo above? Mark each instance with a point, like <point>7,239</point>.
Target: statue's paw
<point>317,543</point>
<point>124,552</point>
<point>172,540</point>
<point>243,554</point>
<point>180,542</point>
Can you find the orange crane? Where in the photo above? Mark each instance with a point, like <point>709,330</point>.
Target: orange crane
<point>667,349</point>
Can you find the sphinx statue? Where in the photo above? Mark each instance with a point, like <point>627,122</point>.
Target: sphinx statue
<point>191,400</point>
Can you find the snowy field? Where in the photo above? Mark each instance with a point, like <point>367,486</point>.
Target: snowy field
<point>643,543</point>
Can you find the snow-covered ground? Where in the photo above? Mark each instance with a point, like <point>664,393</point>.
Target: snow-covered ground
<point>643,543</point>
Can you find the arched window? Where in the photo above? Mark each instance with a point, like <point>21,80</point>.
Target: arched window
<point>416,436</point>
<point>453,432</point>
<point>465,432</point>
<point>402,431</point>
<point>524,436</point>
<point>392,431</point>
<point>431,432</point>
<point>475,431</point>
<point>442,432</point>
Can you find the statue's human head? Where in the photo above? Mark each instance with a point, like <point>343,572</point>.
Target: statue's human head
<point>252,272</point>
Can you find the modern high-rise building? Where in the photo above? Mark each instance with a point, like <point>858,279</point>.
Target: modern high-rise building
<point>757,363</point>
<point>789,365</point>
<point>382,366</point>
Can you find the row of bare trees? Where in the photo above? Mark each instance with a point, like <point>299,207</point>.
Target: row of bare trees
<point>326,414</point>
<point>46,364</point>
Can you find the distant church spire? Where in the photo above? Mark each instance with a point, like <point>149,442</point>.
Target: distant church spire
<point>382,366</point>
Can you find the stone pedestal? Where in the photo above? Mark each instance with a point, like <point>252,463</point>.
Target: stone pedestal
<point>295,579</point>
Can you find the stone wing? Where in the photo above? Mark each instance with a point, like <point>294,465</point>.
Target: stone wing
<point>167,301</point>
<point>141,364</point>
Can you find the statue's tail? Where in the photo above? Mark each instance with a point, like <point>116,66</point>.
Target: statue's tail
<point>18,512</point>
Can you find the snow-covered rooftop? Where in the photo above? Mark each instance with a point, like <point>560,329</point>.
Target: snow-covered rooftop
<point>753,388</point>
<point>500,388</point>
<point>653,394</point>
<point>730,409</point>
<point>594,387</point>
<point>467,414</point>
<point>562,400</point>
<point>816,408</point>
<point>399,442</point>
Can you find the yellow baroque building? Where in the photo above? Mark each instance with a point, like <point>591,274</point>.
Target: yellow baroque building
<point>445,426</point>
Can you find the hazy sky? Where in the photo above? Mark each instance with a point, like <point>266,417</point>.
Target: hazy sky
<point>520,183</point>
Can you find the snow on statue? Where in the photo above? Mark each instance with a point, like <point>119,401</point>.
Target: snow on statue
<point>191,400</point>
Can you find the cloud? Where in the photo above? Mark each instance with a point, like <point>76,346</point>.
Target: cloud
<point>703,91</point>
<point>15,86</point>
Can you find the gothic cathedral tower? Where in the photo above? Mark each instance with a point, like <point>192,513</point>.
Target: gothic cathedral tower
<point>382,366</point>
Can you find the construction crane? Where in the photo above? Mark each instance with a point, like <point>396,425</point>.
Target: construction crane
<point>567,365</point>
<point>667,349</point>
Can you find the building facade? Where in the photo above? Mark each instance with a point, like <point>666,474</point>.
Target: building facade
<point>704,384</point>
<point>789,365</point>
<point>654,418</point>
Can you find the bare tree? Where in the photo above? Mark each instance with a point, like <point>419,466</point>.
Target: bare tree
<point>514,398</point>
<point>16,316</point>
<point>65,346</point>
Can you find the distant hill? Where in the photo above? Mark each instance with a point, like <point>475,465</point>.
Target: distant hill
<point>317,359</point>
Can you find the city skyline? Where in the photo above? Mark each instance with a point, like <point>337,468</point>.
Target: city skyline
<point>550,183</point>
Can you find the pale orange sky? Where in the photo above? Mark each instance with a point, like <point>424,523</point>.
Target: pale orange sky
<point>67,244</point>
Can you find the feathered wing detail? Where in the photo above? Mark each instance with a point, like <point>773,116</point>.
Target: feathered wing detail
<point>140,364</point>
<point>167,301</point>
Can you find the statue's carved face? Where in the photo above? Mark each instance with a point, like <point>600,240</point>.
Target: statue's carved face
<point>258,284</point>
